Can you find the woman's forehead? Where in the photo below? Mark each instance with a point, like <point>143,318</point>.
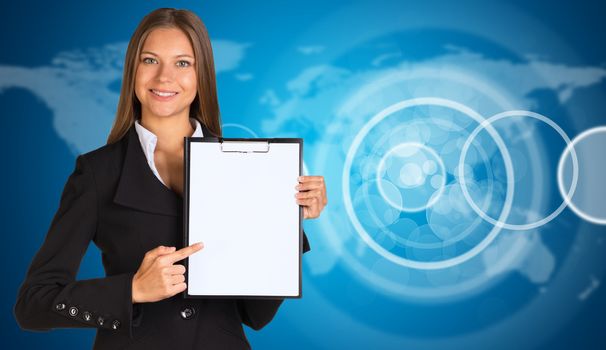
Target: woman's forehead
<point>170,42</point>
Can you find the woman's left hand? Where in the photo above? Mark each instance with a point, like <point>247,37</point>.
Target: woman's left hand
<point>311,195</point>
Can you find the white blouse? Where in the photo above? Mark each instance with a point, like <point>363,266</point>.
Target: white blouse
<point>148,142</point>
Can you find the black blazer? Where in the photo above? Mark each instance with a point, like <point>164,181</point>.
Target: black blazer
<point>114,199</point>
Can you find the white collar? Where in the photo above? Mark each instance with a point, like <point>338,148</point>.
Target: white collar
<point>149,140</point>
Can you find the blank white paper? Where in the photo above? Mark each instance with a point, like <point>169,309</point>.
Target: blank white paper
<point>243,207</point>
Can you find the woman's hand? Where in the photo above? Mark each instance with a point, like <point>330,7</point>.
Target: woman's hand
<point>158,278</point>
<point>311,195</point>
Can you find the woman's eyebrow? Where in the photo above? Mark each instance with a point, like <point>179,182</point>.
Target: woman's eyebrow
<point>177,56</point>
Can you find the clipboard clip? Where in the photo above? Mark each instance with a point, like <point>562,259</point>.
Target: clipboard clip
<point>244,146</point>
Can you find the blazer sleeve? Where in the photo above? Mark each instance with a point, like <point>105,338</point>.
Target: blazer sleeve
<point>257,313</point>
<point>50,297</point>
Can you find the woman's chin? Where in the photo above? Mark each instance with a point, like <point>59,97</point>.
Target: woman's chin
<point>164,112</point>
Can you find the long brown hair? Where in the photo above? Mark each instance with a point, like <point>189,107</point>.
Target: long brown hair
<point>205,106</point>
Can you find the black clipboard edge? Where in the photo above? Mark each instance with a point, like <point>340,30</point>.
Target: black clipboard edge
<point>186,157</point>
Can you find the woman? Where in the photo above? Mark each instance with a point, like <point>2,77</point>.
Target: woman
<point>127,198</point>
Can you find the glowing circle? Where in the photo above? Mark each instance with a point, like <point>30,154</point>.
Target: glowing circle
<point>241,127</point>
<point>429,167</point>
<point>425,265</point>
<point>480,212</point>
<point>411,174</point>
<point>593,177</point>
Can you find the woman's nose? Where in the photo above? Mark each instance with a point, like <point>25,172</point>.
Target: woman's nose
<point>165,73</point>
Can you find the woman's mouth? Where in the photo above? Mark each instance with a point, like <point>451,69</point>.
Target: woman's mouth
<point>162,94</point>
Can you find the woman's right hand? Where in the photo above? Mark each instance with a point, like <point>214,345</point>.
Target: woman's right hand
<point>158,278</point>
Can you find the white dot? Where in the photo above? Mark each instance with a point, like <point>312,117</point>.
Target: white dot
<point>411,175</point>
<point>429,167</point>
<point>405,151</point>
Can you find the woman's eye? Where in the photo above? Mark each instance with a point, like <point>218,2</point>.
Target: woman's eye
<point>183,64</point>
<point>149,60</point>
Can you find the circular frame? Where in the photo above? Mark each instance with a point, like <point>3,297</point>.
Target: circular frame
<point>501,223</point>
<point>568,198</point>
<point>426,265</point>
<point>432,199</point>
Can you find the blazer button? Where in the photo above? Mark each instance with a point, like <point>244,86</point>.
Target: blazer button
<point>73,311</point>
<point>115,324</point>
<point>188,313</point>
<point>100,321</point>
<point>60,307</point>
<point>87,316</point>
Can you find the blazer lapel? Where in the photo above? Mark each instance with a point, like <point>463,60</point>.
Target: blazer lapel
<point>139,188</point>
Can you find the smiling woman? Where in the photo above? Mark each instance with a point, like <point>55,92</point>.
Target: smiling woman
<point>166,77</point>
<point>126,197</point>
<point>170,51</point>
<point>166,86</point>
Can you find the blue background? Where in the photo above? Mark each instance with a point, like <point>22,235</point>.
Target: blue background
<point>263,50</point>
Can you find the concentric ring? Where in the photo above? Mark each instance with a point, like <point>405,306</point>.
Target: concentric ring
<point>425,265</point>
<point>433,198</point>
<point>489,122</point>
<point>568,197</point>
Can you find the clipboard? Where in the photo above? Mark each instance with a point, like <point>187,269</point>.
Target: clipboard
<point>239,200</point>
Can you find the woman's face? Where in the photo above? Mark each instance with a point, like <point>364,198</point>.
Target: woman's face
<point>165,80</point>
